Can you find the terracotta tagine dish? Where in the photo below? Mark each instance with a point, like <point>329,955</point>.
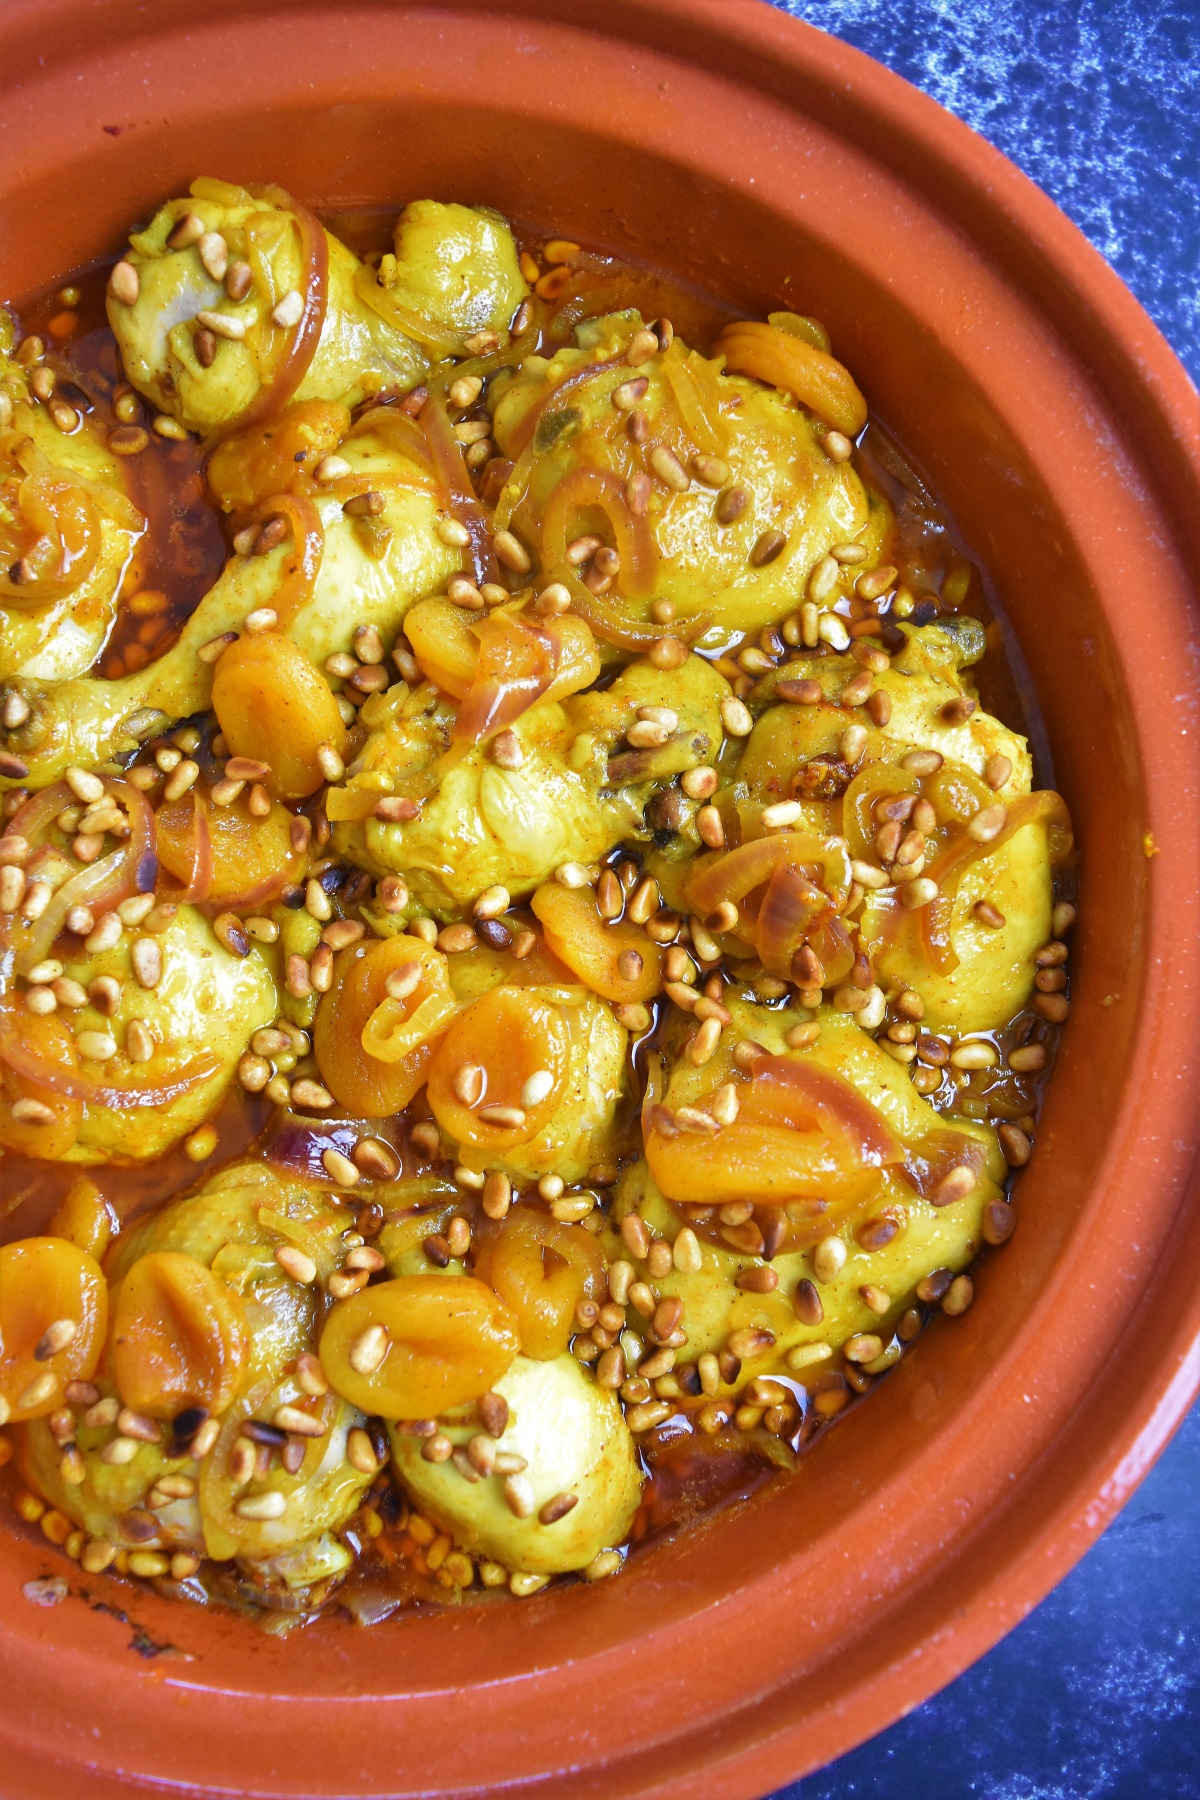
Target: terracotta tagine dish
<point>756,165</point>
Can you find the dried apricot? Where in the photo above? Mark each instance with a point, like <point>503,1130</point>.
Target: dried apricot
<point>518,1044</point>
<point>249,854</point>
<point>448,1340</point>
<point>179,1336</point>
<point>374,1048</point>
<point>444,645</point>
<point>615,959</point>
<point>542,1269</point>
<point>275,706</point>
<point>53,1317</point>
<point>84,1217</point>
<point>53,1131</point>
<point>251,465</point>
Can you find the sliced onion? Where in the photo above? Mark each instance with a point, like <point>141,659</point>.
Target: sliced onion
<point>790,908</point>
<point>406,435</point>
<point>686,375</point>
<point>947,870</point>
<point>517,663</point>
<point>831,944</point>
<point>101,886</point>
<point>34,1068</point>
<point>302,565</point>
<point>40,811</point>
<point>200,880</point>
<point>527,424</point>
<point>298,1143</point>
<point>415,325</point>
<point>392,1032</point>
<point>734,874</point>
<point>303,337</point>
<point>131,870</point>
<point>446,455</point>
<point>608,621</point>
<point>806,1097</point>
<point>602,491</point>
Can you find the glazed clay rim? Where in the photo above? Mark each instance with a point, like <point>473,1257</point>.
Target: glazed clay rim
<point>1080,1322</point>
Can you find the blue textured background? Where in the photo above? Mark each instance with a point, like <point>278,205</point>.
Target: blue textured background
<point>1096,1696</point>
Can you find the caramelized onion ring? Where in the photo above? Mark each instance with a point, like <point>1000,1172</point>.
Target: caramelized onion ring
<point>34,1068</point>
<point>605,492</point>
<point>303,563</point>
<point>935,920</point>
<point>517,662</point>
<point>734,874</point>
<point>451,471</point>
<point>200,880</point>
<point>303,337</point>
<point>937,1155</point>
<point>791,906</point>
<point>522,433</point>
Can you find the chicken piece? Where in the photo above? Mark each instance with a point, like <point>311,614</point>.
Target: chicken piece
<point>937,749</point>
<point>68,530</point>
<point>739,498</point>
<point>576,1446</point>
<point>455,268</point>
<point>567,793</point>
<point>829,1143</point>
<point>368,570</point>
<point>236,315</point>
<point>931,705</point>
<point>165,1046</point>
<point>196,1294</point>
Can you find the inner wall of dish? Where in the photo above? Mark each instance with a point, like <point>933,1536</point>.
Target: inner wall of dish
<point>731,243</point>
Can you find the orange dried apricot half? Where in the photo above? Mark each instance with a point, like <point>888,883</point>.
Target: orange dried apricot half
<point>179,1336</point>
<point>499,1073</point>
<point>274,705</point>
<point>53,1317</point>
<point>374,1047</point>
<point>542,1268</point>
<point>444,1340</point>
<point>616,960</point>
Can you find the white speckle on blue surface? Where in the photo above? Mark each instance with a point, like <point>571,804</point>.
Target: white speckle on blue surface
<point>1098,101</point>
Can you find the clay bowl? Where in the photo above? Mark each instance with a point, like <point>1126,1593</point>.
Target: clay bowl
<point>743,151</point>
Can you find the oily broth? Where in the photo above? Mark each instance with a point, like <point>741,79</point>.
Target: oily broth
<point>690,1477</point>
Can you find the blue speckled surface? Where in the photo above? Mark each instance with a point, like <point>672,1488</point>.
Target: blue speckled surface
<point>1096,1696</point>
